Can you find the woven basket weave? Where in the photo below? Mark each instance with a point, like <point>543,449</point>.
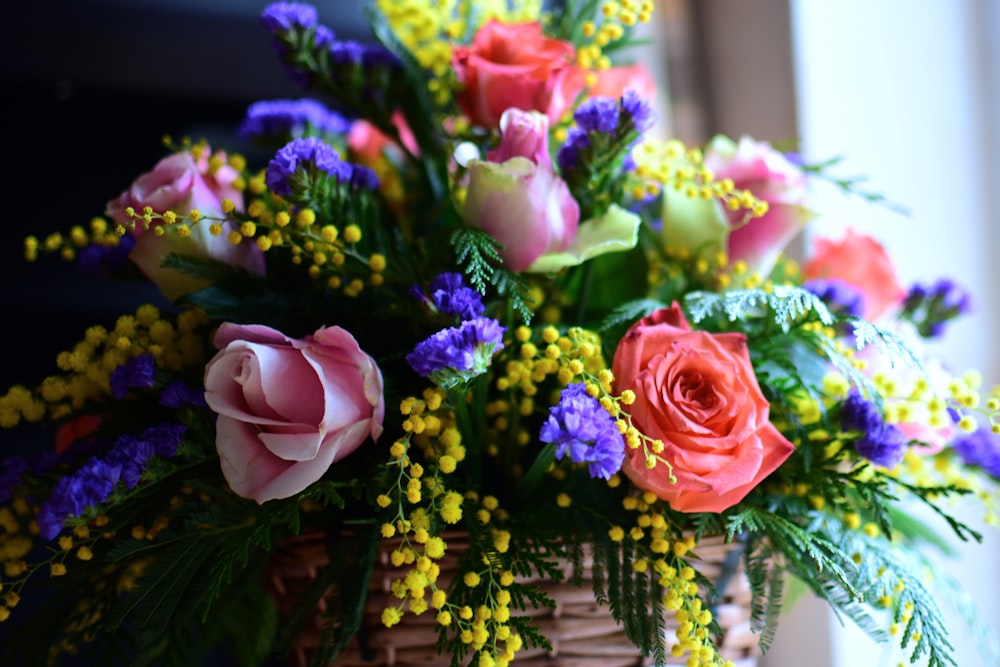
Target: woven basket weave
<point>582,632</point>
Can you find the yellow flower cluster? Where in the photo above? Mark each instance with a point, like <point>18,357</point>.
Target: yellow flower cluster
<point>669,163</point>
<point>417,496</point>
<point>330,252</point>
<point>67,247</point>
<point>668,562</point>
<point>17,525</point>
<point>617,18</point>
<point>175,343</point>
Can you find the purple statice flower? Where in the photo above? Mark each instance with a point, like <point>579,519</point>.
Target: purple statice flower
<point>283,171</point>
<point>981,449</point>
<point>101,259</point>
<point>133,452</point>
<point>882,444</point>
<point>130,454</point>
<point>136,373</point>
<point>11,469</point>
<point>858,413</point>
<point>580,427</point>
<point>451,296</point>
<point>840,295</point>
<point>375,57</point>
<point>930,308</point>
<point>323,37</point>
<point>280,17</point>
<point>92,483</point>
<point>347,53</point>
<point>576,144</point>
<point>363,178</point>
<point>95,480</point>
<point>637,109</point>
<point>597,114</point>
<point>178,394</point>
<point>458,354</point>
<point>281,118</point>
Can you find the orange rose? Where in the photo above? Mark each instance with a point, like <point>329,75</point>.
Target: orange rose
<point>862,261</point>
<point>516,65</point>
<point>697,392</point>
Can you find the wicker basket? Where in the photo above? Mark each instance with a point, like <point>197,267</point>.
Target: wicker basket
<point>582,632</point>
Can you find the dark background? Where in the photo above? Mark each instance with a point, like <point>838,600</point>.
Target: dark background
<point>90,87</point>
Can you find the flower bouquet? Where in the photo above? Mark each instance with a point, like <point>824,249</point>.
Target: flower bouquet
<point>471,338</point>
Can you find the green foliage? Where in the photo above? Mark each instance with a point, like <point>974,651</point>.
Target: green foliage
<point>786,303</point>
<point>477,253</point>
<point>852,185</point>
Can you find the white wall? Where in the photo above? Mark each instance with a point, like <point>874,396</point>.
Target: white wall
<point>908,91</point>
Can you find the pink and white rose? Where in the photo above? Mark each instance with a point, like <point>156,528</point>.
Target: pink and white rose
<point>521,202</point>
<point>179,183</point>
<point>289,408</point>
<point>771,177</point>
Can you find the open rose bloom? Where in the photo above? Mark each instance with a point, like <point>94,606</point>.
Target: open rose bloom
<point>274,442</point>
<point>697,392</point>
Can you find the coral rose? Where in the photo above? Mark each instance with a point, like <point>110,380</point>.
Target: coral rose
<point>516,65</point>
<point>697,392</point>
<point>179,183</point>
<point>863,262</point>
<point>287,408</point>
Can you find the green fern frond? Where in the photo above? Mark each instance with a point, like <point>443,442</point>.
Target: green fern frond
<point>629,312</point>
<point>787,304</point>
<point>477,252</point>
<point>866,333</point>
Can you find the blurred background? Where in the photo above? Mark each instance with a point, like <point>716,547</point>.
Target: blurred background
<point>906,91</point>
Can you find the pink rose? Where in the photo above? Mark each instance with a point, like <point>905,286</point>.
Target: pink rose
<point>697,393</point>
<point>771,177</point>
<point>180,183</point>
<point>367,143</point>
<point>287,408</point>
<point>614,81</point>
<point>863,262</point>
<point>516,65</point>
<point>521,202</point>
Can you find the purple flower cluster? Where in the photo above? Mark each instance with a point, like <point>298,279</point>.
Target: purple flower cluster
<point>93,482</point>
<point>178,394</point>
<point>284,118</point>
<point>292,24</point>
<point>637,111</point>
<point>300,161</point>
<point>604,122</point>
<point>841,296</point>
<point>931,307</point>
<point>881,443</point>
<point>449,295</point>
<point>597,114</point>
<point>100,259</point>
<point>579,426</point>
<point>458,354</point>
<point>980,449</point>
<point>136,373</point>
<point>11,470</point>
<point>281,17</point>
